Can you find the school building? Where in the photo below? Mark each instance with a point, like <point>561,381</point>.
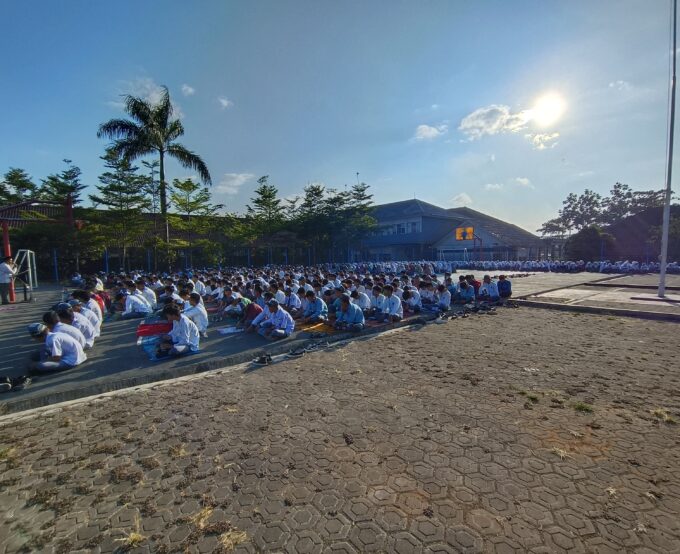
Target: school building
<point>416,230</point>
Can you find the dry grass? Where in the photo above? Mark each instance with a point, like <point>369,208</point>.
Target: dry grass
<point>583,407</point>
<point>662,415</point>
<point>177,451</point>
<point>232,538</point>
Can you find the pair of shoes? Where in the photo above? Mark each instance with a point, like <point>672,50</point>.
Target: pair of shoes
<point>296,353</point>
<point>263,360</point>
<point>14,384</point>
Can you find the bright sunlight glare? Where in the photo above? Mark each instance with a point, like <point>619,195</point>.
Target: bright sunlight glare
<point>548,109</point>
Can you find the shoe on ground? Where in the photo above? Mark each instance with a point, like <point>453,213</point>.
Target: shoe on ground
<point>5,384</point>
<point>263,360</point>
<point>21,382</point>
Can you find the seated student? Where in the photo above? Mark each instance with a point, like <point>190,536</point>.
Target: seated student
<point>78,307</point>
<point>51,320</point>
<point>443,298</point>
<point>488,292</point>
<point>196,312</point>
<point>250,312</point>
<point>279,295</point>
<point>504,287</point>
<point>334,304</point>
<point>350,316</point>
<point>474,282</point>
<point>59,351</point>
<point>465,294</point>
<point>279,325</point>
<point>362,300</point>
<point>377,301</point>
<point>234,309</point>
<point>68,317</point>
<point>392,309</point>
<point>183,338</point>
<point>411,301</point>
<point>301,292</point>
<point>263,316</point>
<point>292,303</point>
<point>134,307</point>
<point>146,292</point>
<point>328,298</point>
<point>169,293</point>
<point>88,302</point>
<point>316,311</point>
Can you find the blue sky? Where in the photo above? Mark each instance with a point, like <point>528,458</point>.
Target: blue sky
<point>431,98</point>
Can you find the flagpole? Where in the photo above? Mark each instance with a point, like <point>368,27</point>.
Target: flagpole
<point>667,202</point>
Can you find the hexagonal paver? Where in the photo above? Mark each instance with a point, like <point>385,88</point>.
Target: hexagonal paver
<point>404,543</point>
<point>358,509</point>
<point>427,529</point>
<point>335,528</point>
<point>366,536</point>
<point>391,519</point>
<point>272,536</point>
<point>305,542</point>
<point>463,539</point>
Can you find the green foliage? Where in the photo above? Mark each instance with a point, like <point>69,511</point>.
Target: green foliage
<point>591,244</point>
<point>58,186</point>
<point>16,186</point>
<point>152,130</point>
<point>673,238</point>
<point>589,208</point>
<point>121,192</point>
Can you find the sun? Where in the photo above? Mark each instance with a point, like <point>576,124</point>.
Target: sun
<point>548,109</point>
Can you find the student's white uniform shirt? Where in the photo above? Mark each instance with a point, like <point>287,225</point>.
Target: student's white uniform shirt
<point>83,325</point>
<point>444,299</point>
<point>489,288</point>
<point>135,303</point>
<point>198,315</point>
<point>280,296</point>
<point>71,331</point>
<point>393,306</point>
<point>185,332</point>
<point>92,318</point>
<point>61,344</point>
<point>363,301</point>
<point>377,302</point>
<point>149,295</point>
<point>93,306</point>
<point>292,301</point>
<point>199,287</point>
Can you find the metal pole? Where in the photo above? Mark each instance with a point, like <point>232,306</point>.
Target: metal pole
<point>56,265</point>
<point>667,203</point>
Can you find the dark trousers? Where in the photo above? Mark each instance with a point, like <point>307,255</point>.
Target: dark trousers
<point>4,292</point>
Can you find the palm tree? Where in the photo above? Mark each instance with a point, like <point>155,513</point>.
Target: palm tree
<point>152,131</point>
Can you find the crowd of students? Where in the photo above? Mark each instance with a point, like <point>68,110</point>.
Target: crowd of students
<point>271,301</point>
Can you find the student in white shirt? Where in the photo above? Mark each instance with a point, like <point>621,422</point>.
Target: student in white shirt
<point>54,325</point>
<point>60,351</point>
<point>279,325</point>
<point>488,292</point>
<point>68,317</point>
<point>134,306</point>
<point>362,300</point>
<point>148,294</point>
<point>184,337</point>
<point>377,301</point>
<point>197,313</point>
<point>78,307</point>
<point>392,310</point>
<point>443,298</point>
<point>292,303</point>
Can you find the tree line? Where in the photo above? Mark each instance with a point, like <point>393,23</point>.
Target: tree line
<point>140,219</point>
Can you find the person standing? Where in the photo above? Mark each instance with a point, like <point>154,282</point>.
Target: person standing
<point>8,271</point>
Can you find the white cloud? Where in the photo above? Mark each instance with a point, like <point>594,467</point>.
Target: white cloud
<point>145,88</point>
<point>582,174</point>
<point>523,182</point>
<point>188,90</point>
<point>426,132</point>
<point>225,102</point>
<point>620,85</point>
<point>493,186</point>
<point>541,141</point>
<point>493,120</point>
<point>231,183</point>
<point>461,200</point>
<point>434,106</point>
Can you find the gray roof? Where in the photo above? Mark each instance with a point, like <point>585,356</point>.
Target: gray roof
<point>505,232</point>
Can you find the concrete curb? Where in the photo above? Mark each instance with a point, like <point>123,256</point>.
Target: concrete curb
<point>604,279</point>
<point>627,286</point>
<point>655,316</point>
<point>18,405</point>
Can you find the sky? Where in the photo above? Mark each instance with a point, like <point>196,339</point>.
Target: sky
<point>505,107</point>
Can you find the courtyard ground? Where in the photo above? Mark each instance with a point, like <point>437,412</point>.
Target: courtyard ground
<point>527,431</point>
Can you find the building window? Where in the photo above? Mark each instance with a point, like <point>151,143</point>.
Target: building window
<point>413,227</point>
<point>401,228</point>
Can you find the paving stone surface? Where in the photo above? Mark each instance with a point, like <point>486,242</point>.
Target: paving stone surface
<point>528,431</point>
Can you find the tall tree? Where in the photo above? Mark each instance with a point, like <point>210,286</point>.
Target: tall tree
<point>58,186</point>
<point>121,192</point>
<point>196,212</point>
<point>152,130</point>
<point>265,215</point>
<point>16,186</point>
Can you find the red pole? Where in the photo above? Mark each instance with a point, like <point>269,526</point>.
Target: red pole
<point>7,251</point>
